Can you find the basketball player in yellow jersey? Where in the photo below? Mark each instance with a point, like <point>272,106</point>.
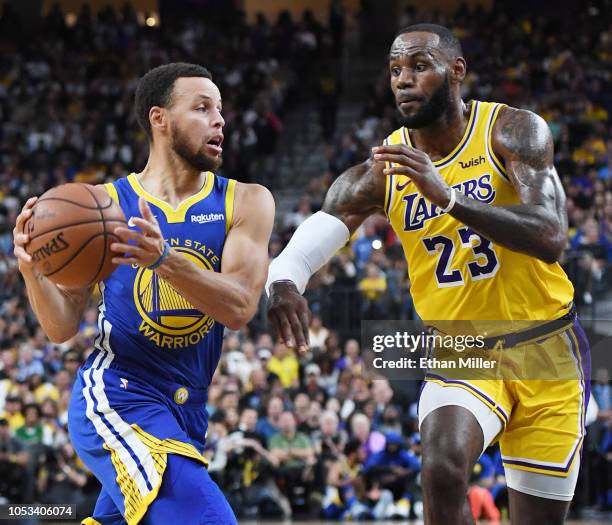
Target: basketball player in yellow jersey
<point>471,191</point>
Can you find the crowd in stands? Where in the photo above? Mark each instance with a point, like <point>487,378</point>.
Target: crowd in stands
<point>289,434</point>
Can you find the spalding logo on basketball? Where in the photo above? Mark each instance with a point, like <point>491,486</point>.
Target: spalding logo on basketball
<point>71,230</point>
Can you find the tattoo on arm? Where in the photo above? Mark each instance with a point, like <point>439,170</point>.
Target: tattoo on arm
<point>356,194</point>
<point>538,225</point>
<point>526,144</point>
<point>524,136</point>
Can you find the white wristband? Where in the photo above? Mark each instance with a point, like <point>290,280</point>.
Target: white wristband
<point>313,244</point>
<point>451,203</point>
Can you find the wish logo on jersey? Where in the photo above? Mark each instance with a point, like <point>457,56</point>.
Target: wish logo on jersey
<point>419,210</point>
<point>168,319</point>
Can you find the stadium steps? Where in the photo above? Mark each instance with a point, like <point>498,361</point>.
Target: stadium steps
<point>301,150</point>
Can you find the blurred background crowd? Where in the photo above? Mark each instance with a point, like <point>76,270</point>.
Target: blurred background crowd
<point>314,434</point>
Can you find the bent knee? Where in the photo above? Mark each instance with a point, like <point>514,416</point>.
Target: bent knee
<point>445,473</point>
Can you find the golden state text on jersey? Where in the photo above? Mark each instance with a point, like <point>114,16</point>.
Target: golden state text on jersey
<point>143,320</point>
<point>455,273</point>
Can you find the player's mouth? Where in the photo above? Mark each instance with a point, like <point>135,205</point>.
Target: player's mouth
<point>405,102</point>
<point>214,144</point>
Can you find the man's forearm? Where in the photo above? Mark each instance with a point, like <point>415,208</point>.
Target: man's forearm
<point>313,244</point>
<point>219,296</point>
<point>302,453</point>
<point>531,229</point>
<point>58,314</point>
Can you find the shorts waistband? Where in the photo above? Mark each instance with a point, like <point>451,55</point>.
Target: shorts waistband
<point>542,331</point>
<point>181,394</point>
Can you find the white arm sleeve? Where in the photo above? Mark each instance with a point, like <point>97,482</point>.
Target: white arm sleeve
<point>314,243</point>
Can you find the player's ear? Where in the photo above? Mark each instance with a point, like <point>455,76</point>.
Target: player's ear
<point>458,68</point>
<point>157,118</point>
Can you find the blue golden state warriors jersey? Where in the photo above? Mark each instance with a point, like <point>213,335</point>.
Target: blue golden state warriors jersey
<point>148,325</point>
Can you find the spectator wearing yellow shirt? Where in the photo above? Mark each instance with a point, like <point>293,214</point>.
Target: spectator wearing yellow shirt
<point>372,288</point>
<point>285,365</point>
<point>595,113</point>
<point>374,284</point>
<point>42,389</point>
<point>13,412</point>
<point>8,374</point>
<point>589,151</point>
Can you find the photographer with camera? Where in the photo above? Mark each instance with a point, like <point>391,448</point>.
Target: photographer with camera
<point>249,472</point>
<point>13,461</point>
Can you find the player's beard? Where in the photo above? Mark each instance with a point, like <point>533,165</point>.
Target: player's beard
<point>431,110</point>
<point>198,159</point>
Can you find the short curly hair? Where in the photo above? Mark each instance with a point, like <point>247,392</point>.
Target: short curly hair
<point>155,89</point>
<point>448,41</point>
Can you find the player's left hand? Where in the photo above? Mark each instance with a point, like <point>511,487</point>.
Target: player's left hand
<point>146,246</point>
<point>415,164</point>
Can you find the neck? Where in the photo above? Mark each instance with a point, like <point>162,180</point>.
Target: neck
<point>441,137</point>
<point>169,177</point>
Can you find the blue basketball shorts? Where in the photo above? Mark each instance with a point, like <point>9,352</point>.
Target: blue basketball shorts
<point>142,438</point>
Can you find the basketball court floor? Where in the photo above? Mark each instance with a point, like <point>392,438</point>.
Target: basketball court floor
<point>605,519</point>
<point>398,522</point>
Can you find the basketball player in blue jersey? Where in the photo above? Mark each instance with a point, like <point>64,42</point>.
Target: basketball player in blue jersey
<point>193,259</point>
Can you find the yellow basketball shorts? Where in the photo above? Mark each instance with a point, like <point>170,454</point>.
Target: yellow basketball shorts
<point>543,420</point>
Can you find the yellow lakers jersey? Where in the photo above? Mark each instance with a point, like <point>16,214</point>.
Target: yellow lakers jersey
<point>455,273</point>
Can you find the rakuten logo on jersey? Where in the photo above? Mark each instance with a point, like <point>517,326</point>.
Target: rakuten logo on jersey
<point>207,217</point>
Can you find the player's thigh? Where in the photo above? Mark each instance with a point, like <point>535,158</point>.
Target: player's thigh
<point>190,495</point>
<point>465,414</point>
<point>546,430</point>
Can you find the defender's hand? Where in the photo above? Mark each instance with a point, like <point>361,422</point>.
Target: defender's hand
<point>147,246</point>
<point>417,165</point>
<point>289,314</point>
<point>21,238</point>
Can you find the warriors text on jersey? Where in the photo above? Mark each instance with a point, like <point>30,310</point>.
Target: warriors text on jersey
<point>455,273</point>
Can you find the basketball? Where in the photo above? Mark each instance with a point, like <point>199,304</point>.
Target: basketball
<point>71,230</point>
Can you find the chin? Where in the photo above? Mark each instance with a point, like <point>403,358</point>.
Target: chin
<point>207,163</point>
<point>216,162</point>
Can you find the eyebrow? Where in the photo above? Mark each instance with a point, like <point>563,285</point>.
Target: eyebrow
<point>206,97</point>
<point>394,55</point>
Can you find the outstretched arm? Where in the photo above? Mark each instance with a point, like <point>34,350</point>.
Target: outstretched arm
<point>231,296</point>
<point>356,194</point>
<point>538,225</point>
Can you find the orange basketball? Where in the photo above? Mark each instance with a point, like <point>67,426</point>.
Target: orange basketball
<point>71,230</point>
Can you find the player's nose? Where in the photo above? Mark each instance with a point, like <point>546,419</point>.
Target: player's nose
<point>218,120</point>
<point>406,78</point>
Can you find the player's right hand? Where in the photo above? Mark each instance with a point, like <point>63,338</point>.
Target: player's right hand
<point>289,314</point>
<point>20,238</point>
